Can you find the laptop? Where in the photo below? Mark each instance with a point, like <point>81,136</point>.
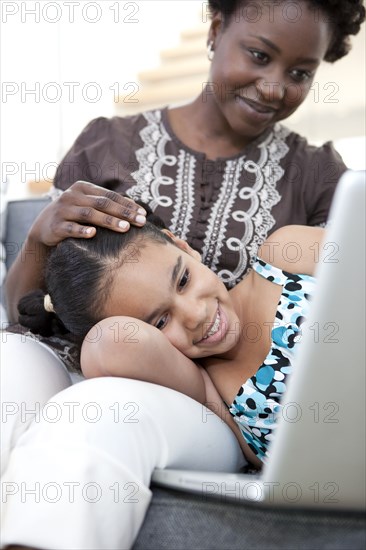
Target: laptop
<point>317,457</point>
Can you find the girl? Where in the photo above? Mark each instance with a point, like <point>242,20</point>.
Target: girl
<point>145,307</point>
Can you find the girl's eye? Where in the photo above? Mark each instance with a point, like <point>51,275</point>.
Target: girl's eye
<point>184,280</point>
<point>300,75</point>
<point>162,322</point>
<point>259,56</point>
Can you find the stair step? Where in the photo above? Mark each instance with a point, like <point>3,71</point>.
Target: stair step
<point>185,49</point>
<point>176,69</point>
<point>157,95</point>
<point>192,33</point>
<point>180,77</point>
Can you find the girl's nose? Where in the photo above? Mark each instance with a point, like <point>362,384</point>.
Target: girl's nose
<point>193,313</point>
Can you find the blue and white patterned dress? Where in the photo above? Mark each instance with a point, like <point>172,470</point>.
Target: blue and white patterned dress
<point>257,404</point>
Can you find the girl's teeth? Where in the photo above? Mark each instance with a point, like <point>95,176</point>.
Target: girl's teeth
<point>215,326</point>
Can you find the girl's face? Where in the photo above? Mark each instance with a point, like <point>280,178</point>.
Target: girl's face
<point>264,62</point>
<point>168,287</point>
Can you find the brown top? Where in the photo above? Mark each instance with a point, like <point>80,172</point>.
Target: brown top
<point>225,208</point>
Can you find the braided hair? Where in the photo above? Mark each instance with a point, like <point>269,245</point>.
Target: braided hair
<point>79,275</point>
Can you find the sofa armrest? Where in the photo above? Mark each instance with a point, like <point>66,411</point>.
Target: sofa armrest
<point>18,218</point>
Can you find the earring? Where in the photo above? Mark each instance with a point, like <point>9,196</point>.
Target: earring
<point>210,50</point>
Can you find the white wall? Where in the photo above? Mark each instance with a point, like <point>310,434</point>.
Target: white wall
<point>75,66</point>
<point>75,56</point>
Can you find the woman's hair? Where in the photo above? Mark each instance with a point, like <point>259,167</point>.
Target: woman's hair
<point>79,275</point>
<point>345,16</point>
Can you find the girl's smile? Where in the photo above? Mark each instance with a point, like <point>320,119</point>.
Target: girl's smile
<point>217,330</point>
<point>190,305</point>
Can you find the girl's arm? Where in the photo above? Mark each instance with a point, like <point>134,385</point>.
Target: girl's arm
<point>294,248</point>
<point>128,347</point>
<point>215,403</point>
<point>74,214</point>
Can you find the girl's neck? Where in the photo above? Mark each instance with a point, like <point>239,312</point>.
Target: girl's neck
<point>241,296</point>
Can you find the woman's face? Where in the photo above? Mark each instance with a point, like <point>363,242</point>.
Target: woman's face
<point>168,287</point>
<point>264,62</point>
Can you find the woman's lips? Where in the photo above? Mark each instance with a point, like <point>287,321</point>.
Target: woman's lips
<point>259,112</point>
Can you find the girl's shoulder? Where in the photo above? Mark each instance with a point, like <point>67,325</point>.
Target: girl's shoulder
<point>293,248</point>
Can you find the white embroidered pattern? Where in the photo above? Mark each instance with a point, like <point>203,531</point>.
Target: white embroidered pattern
<point>257,199</point>
<point>220,213</point>
<point>184,202</point>
<point>151,158</point>
<point>272,150</point>
<point>256,218</point>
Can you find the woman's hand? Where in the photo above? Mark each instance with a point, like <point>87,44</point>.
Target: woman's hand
<point>82,207</point>
<point>75,213</point>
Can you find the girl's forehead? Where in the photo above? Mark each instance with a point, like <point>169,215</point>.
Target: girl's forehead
<point>143,250</point>
<point>145,282</point>
<point>148,263</point>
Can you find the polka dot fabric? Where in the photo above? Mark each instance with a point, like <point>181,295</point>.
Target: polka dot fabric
<point>257,407</point>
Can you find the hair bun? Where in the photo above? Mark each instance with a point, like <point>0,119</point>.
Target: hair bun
<point>33,315</point>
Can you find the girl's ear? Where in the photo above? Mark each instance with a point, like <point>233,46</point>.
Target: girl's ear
<point>183,245</point>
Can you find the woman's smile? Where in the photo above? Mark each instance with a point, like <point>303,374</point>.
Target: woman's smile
<point>262,69</point>
<point>255,111</point>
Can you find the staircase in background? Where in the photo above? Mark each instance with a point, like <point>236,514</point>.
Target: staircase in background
<point>180,77</point>
<point>182,72</point>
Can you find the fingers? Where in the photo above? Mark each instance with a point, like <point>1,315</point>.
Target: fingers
<point>65,229</point>
<point>104,207</point>
<point>87,217</point>
<point>81,209</point>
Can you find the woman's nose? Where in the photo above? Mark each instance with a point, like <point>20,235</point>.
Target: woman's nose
<point>271,87</point>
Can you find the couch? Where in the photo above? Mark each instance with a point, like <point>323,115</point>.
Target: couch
<point>181,520</point>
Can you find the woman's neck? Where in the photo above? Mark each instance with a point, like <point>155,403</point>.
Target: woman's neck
<point>201,126</point>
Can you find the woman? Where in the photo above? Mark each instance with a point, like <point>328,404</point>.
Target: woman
<point>157,311</point>
<point>223,176</point>
<point>220,171</point>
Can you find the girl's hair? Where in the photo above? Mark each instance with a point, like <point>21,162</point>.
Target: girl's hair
<point>345,16</point>
<point>79,275</point>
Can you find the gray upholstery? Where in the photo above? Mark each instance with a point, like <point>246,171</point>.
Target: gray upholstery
<point>19,216</point>
<point>182,521</point>
<point>178,520</point>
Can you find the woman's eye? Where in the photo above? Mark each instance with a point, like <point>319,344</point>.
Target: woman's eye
<point>162,322</point>
<point>300,75</point>
<point>259,56</point>
<point>184,280</point>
